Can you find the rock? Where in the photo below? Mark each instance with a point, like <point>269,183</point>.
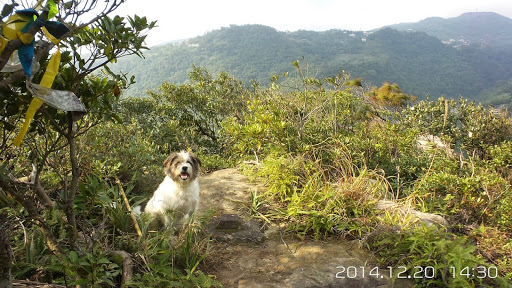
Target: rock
<point>228,222</point>
<point>231,228</point>
<point>432,219</point>
<point>226,191</point>
<point>430,142</point>
<point>412,216</point>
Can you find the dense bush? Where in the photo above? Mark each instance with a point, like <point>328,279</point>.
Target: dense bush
<point>189,115</point>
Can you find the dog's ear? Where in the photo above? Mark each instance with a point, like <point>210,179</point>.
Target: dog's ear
<point>168,160</point>
<point>194,159</point>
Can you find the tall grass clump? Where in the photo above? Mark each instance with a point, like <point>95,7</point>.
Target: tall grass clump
<point>169,259</point>
<point>313,204</point>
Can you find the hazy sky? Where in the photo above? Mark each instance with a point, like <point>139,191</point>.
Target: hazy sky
<point>190,18</point>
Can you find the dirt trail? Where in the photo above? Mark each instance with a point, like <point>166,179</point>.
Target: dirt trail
<point>274,259</point>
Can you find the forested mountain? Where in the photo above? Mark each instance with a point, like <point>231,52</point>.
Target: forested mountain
<point>481,28</point>
<point>418,61</point>
<point>499,95</point>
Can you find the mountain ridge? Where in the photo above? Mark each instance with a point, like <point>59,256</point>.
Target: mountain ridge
<point>420,62</point>
<point>485,28</point>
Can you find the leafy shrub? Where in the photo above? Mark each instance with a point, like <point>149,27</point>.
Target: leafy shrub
<point>468,127</point>
<point>167,260</point>
<point>191,114</point>
<point>495,246</point>
<point>467,198</point>
<point>499,158</point>
<point>123,151</point>
<point>389,148</point>
<point>94,270</point>
<point>427,246</point>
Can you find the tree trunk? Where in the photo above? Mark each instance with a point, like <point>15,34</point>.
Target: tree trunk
<point>5,254</point>
<point>71,194</point>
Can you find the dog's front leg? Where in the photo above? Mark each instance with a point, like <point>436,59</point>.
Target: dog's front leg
<point>168,221</point>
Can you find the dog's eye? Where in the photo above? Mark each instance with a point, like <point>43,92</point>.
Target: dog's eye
<point>189,162</point>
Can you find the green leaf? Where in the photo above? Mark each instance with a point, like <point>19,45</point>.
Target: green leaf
<point>68,5</point>
<point>73,256</point>
<point>103,261</point>
<point>52,9</point>
<point>296,64</point>
<point>81,281</point>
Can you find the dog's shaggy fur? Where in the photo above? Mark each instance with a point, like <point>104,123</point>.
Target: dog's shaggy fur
<point>177,197</point>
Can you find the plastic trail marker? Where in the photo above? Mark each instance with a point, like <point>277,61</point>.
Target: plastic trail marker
<point>47,81</point>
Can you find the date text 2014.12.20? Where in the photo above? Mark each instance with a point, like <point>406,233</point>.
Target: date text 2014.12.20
<point>353,272</point>
<point>416,272</point>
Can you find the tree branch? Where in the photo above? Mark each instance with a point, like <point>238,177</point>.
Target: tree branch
<point>40,51</point>
<point>33,180</point>
<point>125,259</point>
<point>30,206</point>
<point>41,193</point>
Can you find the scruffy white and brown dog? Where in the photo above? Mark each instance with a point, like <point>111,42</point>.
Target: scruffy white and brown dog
<point>177,197</point>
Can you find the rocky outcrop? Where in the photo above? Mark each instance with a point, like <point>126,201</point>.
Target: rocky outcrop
<point>430,142</point>
<point>411,216</point>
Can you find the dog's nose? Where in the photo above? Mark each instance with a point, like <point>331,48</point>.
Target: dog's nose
<point>184,168</point>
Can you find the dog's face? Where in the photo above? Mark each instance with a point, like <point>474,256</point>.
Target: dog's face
<point>182,167</point>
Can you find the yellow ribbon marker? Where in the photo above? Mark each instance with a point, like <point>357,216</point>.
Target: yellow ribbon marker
<point>50,36</point>
<point>47,81</point>
<point>26,38</point>
<point>14,24</point>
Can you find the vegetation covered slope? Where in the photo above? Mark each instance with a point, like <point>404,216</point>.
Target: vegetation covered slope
<point>329,148</point>
<point>325,151</point>
<point>482,28</point>
<point>420,63</point>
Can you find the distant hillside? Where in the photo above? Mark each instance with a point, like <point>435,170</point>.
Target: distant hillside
<point>499,95</point>
<point>478,28</point>
<point>418,62</point>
